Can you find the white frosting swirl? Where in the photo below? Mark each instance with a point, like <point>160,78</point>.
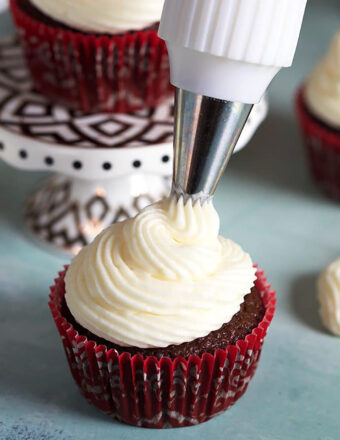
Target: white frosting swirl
<point>103,16</point>
<point>164,277</point>
<point>329,297</point>
<point>322,92</point>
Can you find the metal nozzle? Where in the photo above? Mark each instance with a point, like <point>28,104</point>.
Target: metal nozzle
<point>206,132</point>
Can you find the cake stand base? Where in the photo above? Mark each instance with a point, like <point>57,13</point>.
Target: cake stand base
<point>66,213</point>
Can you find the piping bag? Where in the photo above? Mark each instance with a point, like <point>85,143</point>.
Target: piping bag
<point>223,56</point>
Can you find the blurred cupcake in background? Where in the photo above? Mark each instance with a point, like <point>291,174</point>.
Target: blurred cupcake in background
<point>318,107</point>
<point>95,56</point>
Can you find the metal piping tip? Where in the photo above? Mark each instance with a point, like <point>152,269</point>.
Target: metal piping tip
<point>206,133</point>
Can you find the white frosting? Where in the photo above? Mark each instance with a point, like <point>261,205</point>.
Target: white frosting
<point>164,277</point>
<point>329,297</point>
<point>103,16</point>
<point>322,93</point>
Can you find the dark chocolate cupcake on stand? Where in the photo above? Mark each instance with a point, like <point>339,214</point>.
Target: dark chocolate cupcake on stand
<point>95,56</point>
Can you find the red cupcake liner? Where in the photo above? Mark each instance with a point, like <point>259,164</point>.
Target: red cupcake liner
<point>161,393</point>
<point>91,73</point>
<point>322,145</point>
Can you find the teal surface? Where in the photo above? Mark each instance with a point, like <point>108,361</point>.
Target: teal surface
<point>267,203</point>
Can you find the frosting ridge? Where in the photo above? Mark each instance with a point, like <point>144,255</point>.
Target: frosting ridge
<point>165,277</point>
<point>105,16</point>
<point>322,92</point>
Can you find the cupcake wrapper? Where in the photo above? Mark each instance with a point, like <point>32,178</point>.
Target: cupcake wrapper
<point>322,145</point>
<point>118,73</point>
<point>161,393</point>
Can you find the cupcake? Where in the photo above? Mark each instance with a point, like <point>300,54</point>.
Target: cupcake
<point>318,107</point>
<point>163,320</point>
<point>102,56</point>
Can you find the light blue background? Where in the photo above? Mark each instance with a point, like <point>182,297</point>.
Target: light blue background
<point>267,203</point>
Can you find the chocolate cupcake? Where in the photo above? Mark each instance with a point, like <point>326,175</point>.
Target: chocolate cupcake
<point>99,58</point>
<point>318,108</point>
<point>242,324</point>
<point>163,320</point>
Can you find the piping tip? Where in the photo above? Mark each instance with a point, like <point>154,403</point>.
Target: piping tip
<point>206,133</point>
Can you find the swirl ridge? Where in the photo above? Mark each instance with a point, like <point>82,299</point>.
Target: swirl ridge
<point>165,277</point>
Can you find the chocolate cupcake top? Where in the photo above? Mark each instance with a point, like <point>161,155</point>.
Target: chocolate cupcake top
<point>165,277</point>
<point>102,16</point>
<point>322,92</point>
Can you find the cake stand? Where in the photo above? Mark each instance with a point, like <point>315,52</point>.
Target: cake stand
<point>106,166</point>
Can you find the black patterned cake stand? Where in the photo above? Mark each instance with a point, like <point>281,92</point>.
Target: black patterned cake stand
<point>106,166</point>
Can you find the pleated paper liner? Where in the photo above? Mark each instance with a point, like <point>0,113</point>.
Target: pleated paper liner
<point>322,145</point>
<point>94,73</point>
<point>161,393</point>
